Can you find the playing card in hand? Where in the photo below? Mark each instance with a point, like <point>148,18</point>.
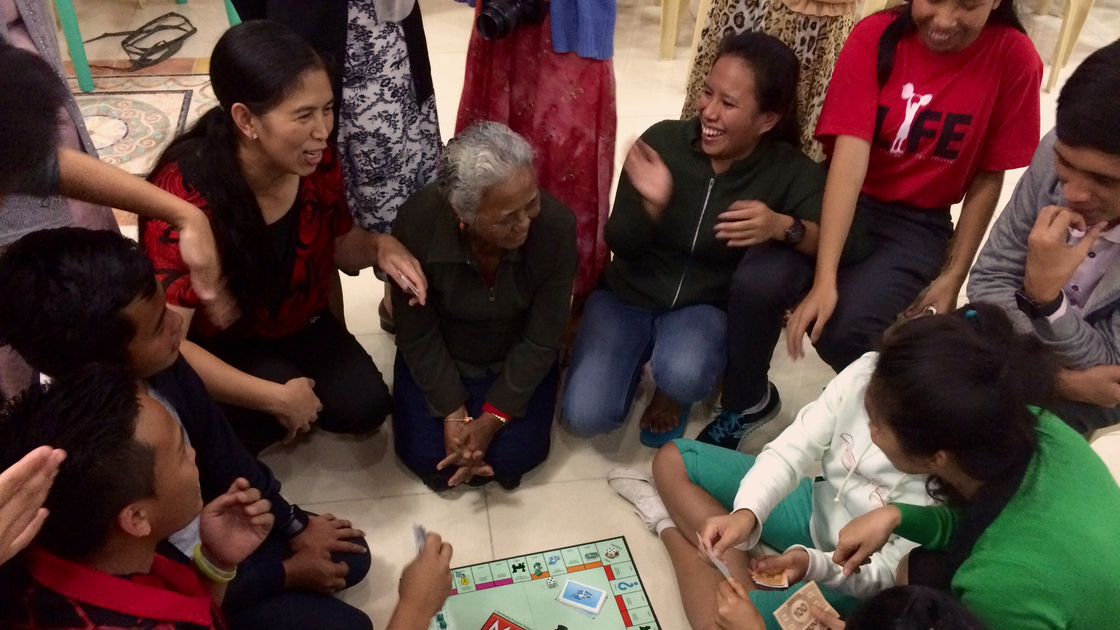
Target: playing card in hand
<point>796,613</point>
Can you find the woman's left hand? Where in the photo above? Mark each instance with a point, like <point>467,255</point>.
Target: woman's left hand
<point>795,564</point>
<point>940,297</point>
<point>734,609</point>
<point>747,223</point>
<point>399,264</point>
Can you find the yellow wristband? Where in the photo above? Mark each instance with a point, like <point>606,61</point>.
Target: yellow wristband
<point>208,568</point>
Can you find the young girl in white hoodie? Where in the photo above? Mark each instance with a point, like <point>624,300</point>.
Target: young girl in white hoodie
<point>731,501</point>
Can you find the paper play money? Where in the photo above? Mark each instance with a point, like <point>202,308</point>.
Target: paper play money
<point>796,613</point>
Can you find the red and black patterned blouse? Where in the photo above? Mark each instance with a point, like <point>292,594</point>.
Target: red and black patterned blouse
<point>323,217</point>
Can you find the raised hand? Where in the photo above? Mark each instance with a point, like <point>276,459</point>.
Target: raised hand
<point>23,490</point>
<point>426,581</point>
<point>233,525</point>
<point>650,177</point>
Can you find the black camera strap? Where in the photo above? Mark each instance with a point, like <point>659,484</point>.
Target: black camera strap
<point>144,54</point>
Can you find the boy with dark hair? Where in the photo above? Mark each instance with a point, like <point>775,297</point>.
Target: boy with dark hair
<point>1052,260</point>
<point>90,296</point>
<point>128,483</point>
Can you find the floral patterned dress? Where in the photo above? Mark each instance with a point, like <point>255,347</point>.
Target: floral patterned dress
<point>388,133</point>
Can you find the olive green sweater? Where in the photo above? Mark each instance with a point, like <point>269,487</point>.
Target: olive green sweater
<point>1051,559</point>
<point>677,260</point>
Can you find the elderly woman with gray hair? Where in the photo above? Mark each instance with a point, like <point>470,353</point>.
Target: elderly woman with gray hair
<point>476,374</point>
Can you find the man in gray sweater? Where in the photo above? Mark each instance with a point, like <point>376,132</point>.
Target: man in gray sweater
<point>1052,260</point>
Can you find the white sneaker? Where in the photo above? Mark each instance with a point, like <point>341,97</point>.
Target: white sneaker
<point>637,488</point>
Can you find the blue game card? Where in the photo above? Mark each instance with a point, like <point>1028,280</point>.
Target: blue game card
<point>582,597</point>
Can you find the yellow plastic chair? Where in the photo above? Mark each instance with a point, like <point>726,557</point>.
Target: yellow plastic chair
<point>73,35</point>
<point>1074,14</point>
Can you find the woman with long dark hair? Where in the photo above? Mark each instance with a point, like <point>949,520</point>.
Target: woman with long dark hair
<point>261,168</point>
<point>929,104</point>
<point>1025,534</point>
<point>694,194</point>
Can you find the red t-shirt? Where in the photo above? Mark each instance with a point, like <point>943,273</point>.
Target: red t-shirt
<point>941,117</point>
<point>323,217</point>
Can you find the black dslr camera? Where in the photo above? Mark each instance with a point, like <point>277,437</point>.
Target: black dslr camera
<point>498,18</point>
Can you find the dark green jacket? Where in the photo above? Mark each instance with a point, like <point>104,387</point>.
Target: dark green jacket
<point>678,261</point>
<point>468,328</point>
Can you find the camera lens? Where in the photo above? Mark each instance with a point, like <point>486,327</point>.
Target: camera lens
<point>493,23</point>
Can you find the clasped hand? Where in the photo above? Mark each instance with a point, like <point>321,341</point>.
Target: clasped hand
<point>466,444</point>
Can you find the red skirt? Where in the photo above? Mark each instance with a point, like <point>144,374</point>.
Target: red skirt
<point>564,105</point>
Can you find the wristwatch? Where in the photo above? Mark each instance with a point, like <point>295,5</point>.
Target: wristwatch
<point>1034,309</point>
<point>795,233</point>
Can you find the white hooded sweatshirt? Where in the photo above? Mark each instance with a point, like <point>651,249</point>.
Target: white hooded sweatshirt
<point>858,478</point>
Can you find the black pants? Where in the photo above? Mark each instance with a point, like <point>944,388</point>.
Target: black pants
<point>515,450</point>
<point>354,396</point>
<point>908,249</point>
<point>255,600</point>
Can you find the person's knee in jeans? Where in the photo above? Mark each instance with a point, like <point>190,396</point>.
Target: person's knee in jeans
<point>591,409</point>
<point>690,377</point>
<point>690,353</point>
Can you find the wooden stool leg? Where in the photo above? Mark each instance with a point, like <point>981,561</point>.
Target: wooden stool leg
<point>1079,12</point>
<point>670,20</point>
<point>73,34</point>
<point>701,21</point>
<point>1056,58</point>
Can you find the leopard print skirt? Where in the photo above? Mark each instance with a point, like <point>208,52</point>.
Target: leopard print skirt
<point>815,39</point>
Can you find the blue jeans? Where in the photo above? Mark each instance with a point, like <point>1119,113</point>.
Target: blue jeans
<point>686,347</point>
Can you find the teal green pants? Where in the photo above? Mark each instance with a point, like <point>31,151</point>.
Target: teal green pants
<point>718,471</point>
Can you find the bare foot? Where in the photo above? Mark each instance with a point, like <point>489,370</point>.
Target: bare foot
<point>662,414</point>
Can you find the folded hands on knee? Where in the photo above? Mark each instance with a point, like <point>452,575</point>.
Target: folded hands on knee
<point>466,441</point>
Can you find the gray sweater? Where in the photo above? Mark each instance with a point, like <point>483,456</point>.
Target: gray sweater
<point>1082,340</point>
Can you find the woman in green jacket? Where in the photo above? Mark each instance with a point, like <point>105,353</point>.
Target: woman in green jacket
<point>693,196</point>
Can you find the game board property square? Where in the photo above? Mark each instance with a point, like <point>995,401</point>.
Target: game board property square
<point>572,557</point>
<point>635,600</point>
<point>645,626</point>
<point>622,570</point>
<point>624,586</point>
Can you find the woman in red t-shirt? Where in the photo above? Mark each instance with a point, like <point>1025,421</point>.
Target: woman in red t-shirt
<point>929,103</point>
<point>260,167</point>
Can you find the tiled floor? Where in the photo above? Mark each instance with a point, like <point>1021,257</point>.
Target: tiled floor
<point>567,500</point>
